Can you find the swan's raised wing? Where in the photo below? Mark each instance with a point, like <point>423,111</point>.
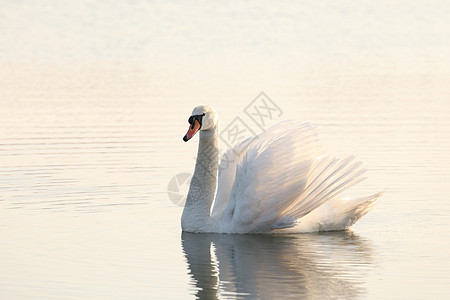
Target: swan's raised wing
<point>235,156</point>
<point>283,176</point>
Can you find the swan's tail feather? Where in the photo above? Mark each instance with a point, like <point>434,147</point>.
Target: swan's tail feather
<point>336,214</point>
<point>340,214</point>
<point>364,206</point>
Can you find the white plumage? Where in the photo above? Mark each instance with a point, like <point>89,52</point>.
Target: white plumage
<point>281,180</point>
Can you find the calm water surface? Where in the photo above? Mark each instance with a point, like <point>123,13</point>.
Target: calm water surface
<point>85,210</point>
<point>89,141</point>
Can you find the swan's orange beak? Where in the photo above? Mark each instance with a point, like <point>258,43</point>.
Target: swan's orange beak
<point>193,128</point>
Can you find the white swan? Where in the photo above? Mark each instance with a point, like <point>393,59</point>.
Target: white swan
<point>281,180</point>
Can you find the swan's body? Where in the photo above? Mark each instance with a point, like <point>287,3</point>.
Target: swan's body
<point>278,181</point>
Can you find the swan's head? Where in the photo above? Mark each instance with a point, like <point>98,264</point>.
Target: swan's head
<point>203,118</point>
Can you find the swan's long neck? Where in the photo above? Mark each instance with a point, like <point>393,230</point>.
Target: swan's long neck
<point>197,211</point>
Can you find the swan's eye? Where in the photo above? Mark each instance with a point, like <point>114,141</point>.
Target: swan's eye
<point>196,117</point>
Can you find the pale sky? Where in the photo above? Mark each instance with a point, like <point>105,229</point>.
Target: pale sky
<point>55,31</point>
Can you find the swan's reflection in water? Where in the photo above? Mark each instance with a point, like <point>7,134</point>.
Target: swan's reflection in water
<point>312,266</point>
